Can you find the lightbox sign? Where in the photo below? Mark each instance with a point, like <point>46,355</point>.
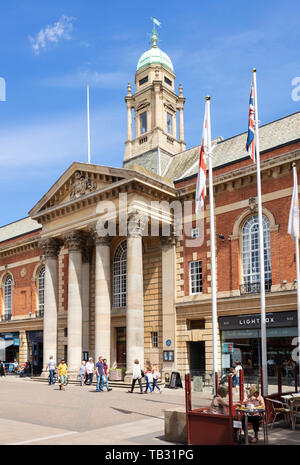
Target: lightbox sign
<point>280,319</point>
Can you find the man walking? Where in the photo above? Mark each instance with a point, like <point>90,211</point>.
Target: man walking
<point>100,375</point>
<point>51,368</point>
<point>62,373</point>
<point>105,373</point>
<point>90,368</point>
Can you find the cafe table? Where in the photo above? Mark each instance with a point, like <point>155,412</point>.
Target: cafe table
<point>247,411</point>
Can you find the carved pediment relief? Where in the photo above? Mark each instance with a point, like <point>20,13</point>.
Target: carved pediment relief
<point>77,182</point>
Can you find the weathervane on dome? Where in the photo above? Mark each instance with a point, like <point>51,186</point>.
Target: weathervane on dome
<point>154,35</point>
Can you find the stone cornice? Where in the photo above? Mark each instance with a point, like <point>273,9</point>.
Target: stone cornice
<point>272,167</point>
<point>20,246</point>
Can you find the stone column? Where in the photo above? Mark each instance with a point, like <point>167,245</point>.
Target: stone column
<point>157,118</point>
<point>168,299</point>
<point>102,298</point>
<point>181,125</point>
<point>51,249</point>
<point>74,243</point>
<point>135,296</point>
<point>86,259</point>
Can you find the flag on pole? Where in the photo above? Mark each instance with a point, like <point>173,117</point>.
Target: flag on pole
<point>293,226</point>
<point>250,144</point>
<point>201,179</point>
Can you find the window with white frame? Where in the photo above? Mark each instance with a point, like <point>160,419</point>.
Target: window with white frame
<point>143,122</point>
<point>196,277</point>
<point>120,276</point>
<point>251,257</point>
<point>169,123</point>
<point>41,291</point>
<point>154,338</point>
<point>8,297</point>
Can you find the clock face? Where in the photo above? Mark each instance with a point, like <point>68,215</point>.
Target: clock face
<point>23,272</point>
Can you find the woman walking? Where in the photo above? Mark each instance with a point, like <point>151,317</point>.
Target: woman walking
<point>148,377</point>
<point>156,376</point>
<point>82,372</point>
<point>136,375</point>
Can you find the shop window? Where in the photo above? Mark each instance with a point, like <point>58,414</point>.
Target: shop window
<point>41,291</point>
<point>196,324</point>
<point>169,123</point>
<point>196,277</point>
<point>8,298</point>
<point>143,122</point>
<point>250,254</point>
<point>120,276</point>
<point>154,338</point>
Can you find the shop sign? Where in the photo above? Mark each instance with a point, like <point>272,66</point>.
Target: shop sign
<point>279,319</point>
<point>8,336</point>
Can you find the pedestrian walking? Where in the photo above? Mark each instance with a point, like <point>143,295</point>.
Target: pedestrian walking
<point>2,369</point>
<point>148,378</point>
<point>100,375</point>
<point>63,374</point>
<point>82,372</point>
<point>156,377</point>
<point>105,373</point>
<point>90,369</point>
<point>136,375</point>
<point>238,368</point>
<point>51,368</point>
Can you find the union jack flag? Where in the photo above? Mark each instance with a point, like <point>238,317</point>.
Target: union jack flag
<point>201,179</point>
<point>250,144</point>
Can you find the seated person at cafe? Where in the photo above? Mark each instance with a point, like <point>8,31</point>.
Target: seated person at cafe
<point>257,401</point>
<point>219,404</point>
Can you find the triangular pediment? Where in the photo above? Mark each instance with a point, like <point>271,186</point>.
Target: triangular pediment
<point>79,180</point>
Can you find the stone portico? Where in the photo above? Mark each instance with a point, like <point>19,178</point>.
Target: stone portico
<point>73,226</point>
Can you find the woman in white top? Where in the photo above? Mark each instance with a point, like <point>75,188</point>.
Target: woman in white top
<point>136,375</point>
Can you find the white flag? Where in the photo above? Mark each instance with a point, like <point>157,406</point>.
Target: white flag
<point>293,227</point>
<point>201,179</point>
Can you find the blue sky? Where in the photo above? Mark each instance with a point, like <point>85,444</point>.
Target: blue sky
<point>50,50</point>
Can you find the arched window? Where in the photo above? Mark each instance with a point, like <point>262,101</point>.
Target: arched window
<point>250,252</point>
<point>8,297</point>
<point>120,276</point>
<point>41,291</point>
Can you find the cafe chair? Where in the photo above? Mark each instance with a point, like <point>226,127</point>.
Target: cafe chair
<point>295,406</point>
<point>280,408</point>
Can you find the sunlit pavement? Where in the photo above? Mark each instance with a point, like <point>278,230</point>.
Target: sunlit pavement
<point>36,413</point>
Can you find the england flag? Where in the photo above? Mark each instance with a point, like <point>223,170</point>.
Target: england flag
<point>201,179</point>
<point>250,145</point>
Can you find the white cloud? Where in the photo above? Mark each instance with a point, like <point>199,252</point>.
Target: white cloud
<point>52,34</point>
<point>109,80</point>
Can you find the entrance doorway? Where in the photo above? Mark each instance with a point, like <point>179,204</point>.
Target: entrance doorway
<point>197,358</point>
<point>121,347</point>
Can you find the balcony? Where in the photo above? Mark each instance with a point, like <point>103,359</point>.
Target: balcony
<point>254,288</point>
<point>6,317</point>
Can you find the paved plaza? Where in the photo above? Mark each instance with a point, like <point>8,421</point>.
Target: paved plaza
<point>36,413</point>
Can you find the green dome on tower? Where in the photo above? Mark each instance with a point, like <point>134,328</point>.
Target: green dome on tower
<point>155,55</point>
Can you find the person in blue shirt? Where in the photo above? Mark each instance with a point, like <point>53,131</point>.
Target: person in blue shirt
<point>100,375</point>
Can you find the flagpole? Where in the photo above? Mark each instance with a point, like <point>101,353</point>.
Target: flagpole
<point>88,121</point>
<point>298,298</point>
<point>212,249</point>
<point>261,251</point>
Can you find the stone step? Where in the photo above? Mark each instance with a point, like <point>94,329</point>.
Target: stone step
<point>119,384</point>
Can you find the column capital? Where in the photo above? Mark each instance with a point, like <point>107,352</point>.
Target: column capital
<point>50,247</point>
<point>99,240</point>
<point>136,224</point>
<point>74,240</point>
